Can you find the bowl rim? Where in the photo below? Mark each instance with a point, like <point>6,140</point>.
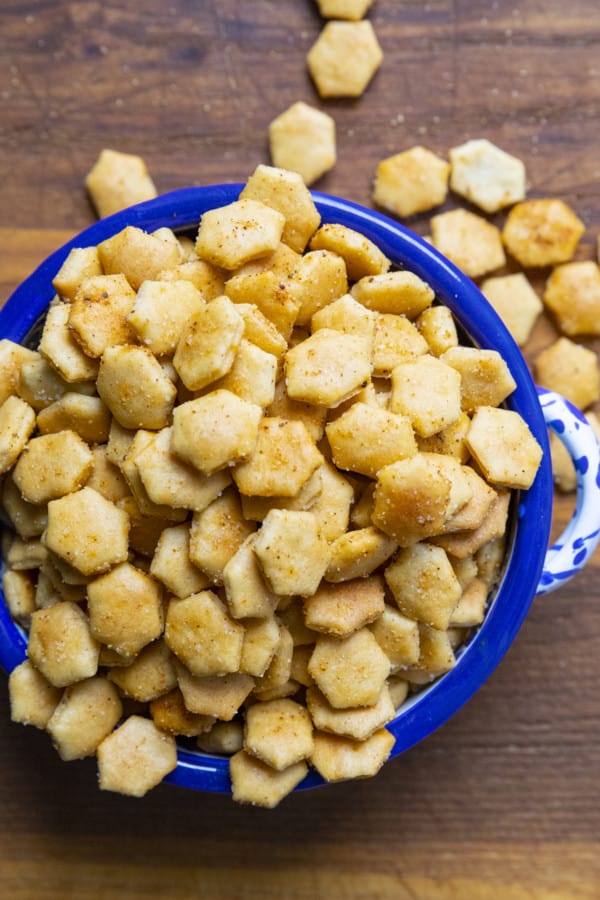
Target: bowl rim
<point>438,702</point>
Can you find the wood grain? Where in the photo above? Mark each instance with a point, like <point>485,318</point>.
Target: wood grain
<point>503,801</point>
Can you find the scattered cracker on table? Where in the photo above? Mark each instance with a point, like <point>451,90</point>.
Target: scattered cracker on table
<point>469,240</point>
<point>542,232</point>
<point>572,294</point>
<point>515,301</point>
<point>571,369</point>
<point>411,182</point>
<point>486,175</point>
<point>344,58</point>
<point>118,180</point>
<point>303,139</point>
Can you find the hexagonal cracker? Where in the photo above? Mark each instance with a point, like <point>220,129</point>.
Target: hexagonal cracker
<point>13,357</point>
<point>214,695</point>
<point>87,531</point>
<point>471,515</point>
<point>276,682</point>
<point>248,596</point>
<point>485,379</point>
<point>32,698</point>
<point>17,422</point>
<point>469,241</point>
<point>169,713</point>
<point>285,191</point>
<point>438,327</point>
<point>118,180</point>
<point>396,341</point>
<point>344,58</point>
<point>357,553</point>
<point>572,293</point>
<point>60,348</point>
<point>411,182</point>
<point>338,758</point>
<point>284,458</point>
<point>505,449</point>
<point>160,311</point>
<point>208,343</point>
<point>137,255</point>
<point>470,609</point>
<point>133,385</point>
<point>171,482</point>
<point>39,383</point>
<point>362,256</point>
<point>412,499</point>
<point>200,632</point>
<point>424,585</point>
<point>340,609</point>
<point>331,507</point>
<point>328,367</point>
<point>278,732</point>
<point>287,408</point>
<point>151,674</point>
<point>146,507</point>
<point>317,280</point>
<point>206,278</point>
<point>215,431</point>
<point>366,438</point>
<point>81,263</point>
<point>516,302</point>
<point>135,757</point>
<point>302,139</point>
<point>261,641</point>
<point>427,391</point>
<point>87,713</point>
<point>86,415</point>
<point>19,595</point>
<point>125,609</point>
<point>232,235</point>
<point>52,465</point>
<point>486,175</point>
<point>349,671</point>
<point>256,508</point>
<point>224,737</point>
<point>398,637</point>
<point>268,290</point>
<point>259,330</point>
<point>172,565</point>
<point>571,369</point>
<point>252,781</point>
<point>542,232</point>
<point>347,315</point>
<point>98,313</point>
<point>292,552</point>
<point>252,375</point>
<point>217,533</point>
<point>399,292</point>
<point>463,544</point>
<point>436,652</point>
<point>61,645</point>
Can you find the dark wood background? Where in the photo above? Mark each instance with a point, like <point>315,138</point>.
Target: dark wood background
<point>503,802</point>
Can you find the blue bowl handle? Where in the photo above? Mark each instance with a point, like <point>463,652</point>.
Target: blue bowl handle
<point>578,541</point>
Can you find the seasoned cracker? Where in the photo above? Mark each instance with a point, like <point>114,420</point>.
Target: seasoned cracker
<point>411,182</point>
<point>344,58</point>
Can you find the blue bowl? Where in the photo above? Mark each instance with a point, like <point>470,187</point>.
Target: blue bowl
<point>434,705</point>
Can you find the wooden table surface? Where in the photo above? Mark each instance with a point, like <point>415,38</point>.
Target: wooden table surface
<point>501,803</point>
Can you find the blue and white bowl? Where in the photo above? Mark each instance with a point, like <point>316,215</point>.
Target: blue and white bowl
<point>530,567</point>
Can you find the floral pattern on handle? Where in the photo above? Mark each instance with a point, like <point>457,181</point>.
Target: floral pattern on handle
<point>580,538</point>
